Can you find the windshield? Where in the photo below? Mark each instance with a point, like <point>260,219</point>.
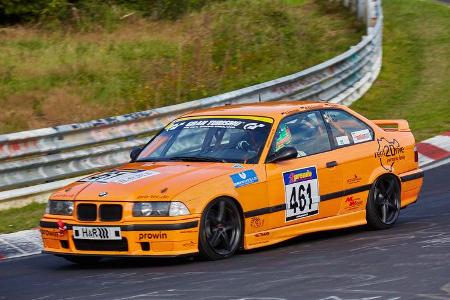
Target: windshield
<point>219,139</point>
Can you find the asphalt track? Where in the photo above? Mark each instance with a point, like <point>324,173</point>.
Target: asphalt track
<point>409,261</point>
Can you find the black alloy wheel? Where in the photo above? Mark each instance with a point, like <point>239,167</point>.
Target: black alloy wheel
<point>383,206</point>
<point>220,229</point>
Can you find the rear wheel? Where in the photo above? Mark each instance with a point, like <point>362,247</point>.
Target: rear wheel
<point>383,205</point>
<point>82,260</point>
<point>220,229</point>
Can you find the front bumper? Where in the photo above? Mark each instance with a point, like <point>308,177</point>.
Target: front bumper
<point>162,239</point>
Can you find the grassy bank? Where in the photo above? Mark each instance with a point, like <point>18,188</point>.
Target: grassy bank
<point>414,82</point>
<point>63,76</point>
<point>16,219</point>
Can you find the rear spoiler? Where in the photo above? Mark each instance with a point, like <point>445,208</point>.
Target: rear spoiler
<point>390,125</point>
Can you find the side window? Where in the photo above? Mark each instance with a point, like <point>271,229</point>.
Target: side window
<point>347,129</point>
<point>306,132</point>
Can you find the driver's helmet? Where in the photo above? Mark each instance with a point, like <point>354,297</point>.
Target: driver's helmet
<point>283,137</point>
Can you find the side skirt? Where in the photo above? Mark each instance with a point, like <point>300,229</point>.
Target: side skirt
<point>276,235</point>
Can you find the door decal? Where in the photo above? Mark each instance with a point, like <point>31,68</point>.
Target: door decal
<point>301,190</point>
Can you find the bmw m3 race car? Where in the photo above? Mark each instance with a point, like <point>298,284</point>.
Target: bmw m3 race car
<point>239,177</point>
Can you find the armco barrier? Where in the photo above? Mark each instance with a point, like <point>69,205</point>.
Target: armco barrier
<point>33,163</point>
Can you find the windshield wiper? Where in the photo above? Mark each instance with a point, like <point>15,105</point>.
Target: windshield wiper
<point>196,158</point>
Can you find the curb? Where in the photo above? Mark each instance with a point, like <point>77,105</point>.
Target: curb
<point>19,244</point>
<point>434,149</point>
<point>433,152</point>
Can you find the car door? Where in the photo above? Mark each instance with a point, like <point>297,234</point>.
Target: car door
<point>354,143</point>
<point>295,186</point>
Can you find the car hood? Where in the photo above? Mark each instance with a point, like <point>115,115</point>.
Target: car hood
<point>153,181</point>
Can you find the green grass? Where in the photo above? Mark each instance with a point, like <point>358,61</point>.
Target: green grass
<point>56,77</point>
<point>16,219</point>
<point>415,80</point>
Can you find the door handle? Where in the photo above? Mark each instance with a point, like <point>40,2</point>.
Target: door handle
<point>332,164</point>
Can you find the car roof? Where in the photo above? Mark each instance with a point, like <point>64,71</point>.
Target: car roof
<point>273,110</point>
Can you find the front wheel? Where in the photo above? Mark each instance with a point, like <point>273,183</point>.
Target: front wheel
<point>220,229</point>
<point>383,205</point>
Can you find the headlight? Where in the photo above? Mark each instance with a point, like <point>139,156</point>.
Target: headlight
<point>178,209</point>
<point>159,209</point>
<point>57,207</point>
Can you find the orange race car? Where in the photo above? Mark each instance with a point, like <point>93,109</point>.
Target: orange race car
<point>244,176</point>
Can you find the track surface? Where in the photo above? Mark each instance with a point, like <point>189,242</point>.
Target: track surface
<point>409,261</point>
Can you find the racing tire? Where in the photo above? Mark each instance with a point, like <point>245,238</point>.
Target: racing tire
<point>220,229</point>
<point>383,205</point>
<point>82,260</point>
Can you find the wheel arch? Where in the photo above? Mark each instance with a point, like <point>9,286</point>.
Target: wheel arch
<point>391,175</point>
<point>381,172</point>
<point>236,202</point>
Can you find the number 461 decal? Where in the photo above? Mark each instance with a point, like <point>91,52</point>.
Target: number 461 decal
<point>301,193</point>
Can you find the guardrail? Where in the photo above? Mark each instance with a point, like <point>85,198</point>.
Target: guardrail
<point>34,163</point>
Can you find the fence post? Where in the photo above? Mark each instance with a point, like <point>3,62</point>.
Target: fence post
<point>371,15</point>
<point>361,10</point>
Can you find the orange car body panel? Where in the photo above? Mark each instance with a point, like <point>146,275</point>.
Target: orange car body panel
<point>345,187</point>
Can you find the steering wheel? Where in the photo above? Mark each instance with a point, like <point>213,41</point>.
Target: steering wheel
<point>243,145</point>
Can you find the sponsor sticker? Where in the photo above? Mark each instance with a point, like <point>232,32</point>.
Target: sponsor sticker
<point>213,123</point>
<point>244,178</point>
<point>119,176</point>
<point>389,152</point>
<point>352,203</point>
<point>96,233</point>
<point>153,236</point>
<point>50,233</point>
<point>253,126</point>
<point>342,140</point>
<point>354,179</point>
<point>257,222</point>
<point>361,136</point>
<point>156,196</point>
<point>301,189</point>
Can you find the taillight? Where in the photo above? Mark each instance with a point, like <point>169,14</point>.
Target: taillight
<point>416,154</point>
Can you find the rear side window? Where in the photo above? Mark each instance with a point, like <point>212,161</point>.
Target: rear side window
<point>347,129</point>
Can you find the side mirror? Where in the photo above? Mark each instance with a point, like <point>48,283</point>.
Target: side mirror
<point>284,153</point>
<point>135,152</point>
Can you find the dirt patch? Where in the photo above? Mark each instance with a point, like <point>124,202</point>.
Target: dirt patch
<point>42,109</point>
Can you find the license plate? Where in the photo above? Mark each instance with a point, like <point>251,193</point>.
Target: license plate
<point>96,233</point>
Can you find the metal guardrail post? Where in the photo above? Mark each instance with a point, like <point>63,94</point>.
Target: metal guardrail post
<point>362,10</point>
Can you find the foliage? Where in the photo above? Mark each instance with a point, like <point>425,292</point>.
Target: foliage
<point>16,219</point>
<point>165,9</point>
<point>85,13</point>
